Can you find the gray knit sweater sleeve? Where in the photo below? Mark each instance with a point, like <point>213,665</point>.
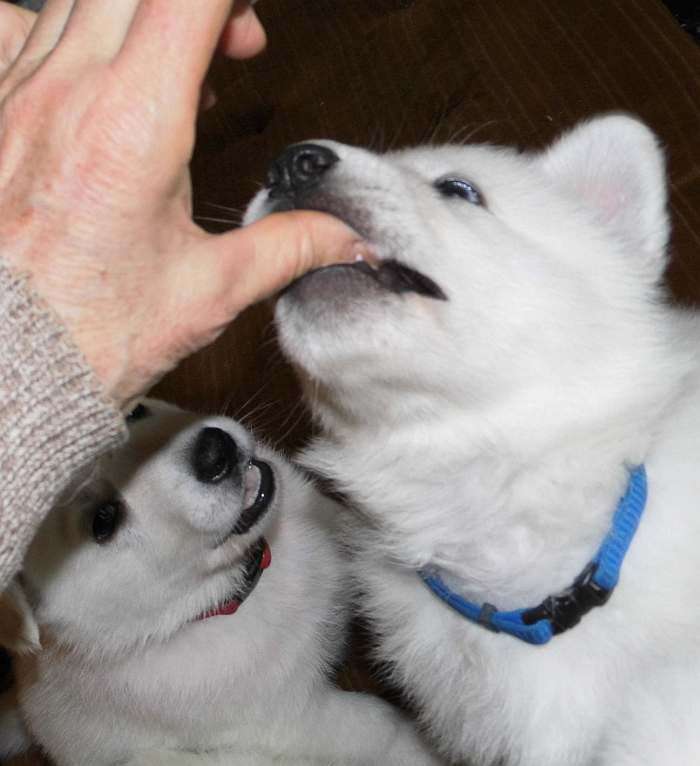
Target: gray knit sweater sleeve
<point>54,416</point>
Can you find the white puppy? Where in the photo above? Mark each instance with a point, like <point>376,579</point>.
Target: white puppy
<point>164,641</point>
<point>488,391</point>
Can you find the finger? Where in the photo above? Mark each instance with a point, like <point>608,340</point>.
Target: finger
<point>46,31</point>
<point>15,26</point>
<point>97,28</point>
<point>173,42</point>
<point>258,260</point>
<point>243,35</point>
<point>44,35</point>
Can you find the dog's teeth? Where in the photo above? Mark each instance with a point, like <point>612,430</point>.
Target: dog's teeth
<point>365,254</point>
<point>251,484</point>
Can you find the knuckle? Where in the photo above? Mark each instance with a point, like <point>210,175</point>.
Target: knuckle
<point>303,254</point>
<point>32,94</point>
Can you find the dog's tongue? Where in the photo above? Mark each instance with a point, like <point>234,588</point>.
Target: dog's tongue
<point>228,607</point>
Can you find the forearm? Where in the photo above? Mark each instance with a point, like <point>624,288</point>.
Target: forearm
<point>54,417</point>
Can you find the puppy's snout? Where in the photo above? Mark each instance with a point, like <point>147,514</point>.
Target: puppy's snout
<point>214,455</point>
<point>298,168</point>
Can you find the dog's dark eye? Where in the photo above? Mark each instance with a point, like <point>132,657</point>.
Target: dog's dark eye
<point>139,412</point>
<point>106,520</point>
<point>452,186</point>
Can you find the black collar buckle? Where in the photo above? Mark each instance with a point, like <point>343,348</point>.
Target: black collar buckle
<point>568,607</point>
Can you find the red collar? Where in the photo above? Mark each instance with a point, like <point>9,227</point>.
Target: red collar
<point>258,560</point>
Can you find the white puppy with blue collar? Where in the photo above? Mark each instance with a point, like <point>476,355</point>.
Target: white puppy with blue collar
<point>186,604</point>
<point>514,411</point>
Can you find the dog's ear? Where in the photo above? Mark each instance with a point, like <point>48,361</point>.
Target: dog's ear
<point>615,166</point>
<point>19,631</point>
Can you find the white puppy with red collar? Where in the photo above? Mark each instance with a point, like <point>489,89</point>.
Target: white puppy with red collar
<point>488,393</point>
<point>191,603</point>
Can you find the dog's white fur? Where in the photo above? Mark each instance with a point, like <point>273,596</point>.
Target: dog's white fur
<point>490,435</point>
<point>126,671</point>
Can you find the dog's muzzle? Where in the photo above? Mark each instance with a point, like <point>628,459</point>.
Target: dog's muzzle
<point>295,181</point>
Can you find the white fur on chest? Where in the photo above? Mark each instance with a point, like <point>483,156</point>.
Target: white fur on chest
<point>566,702</point>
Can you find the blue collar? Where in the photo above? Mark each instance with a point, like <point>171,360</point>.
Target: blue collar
<point>591,588</point>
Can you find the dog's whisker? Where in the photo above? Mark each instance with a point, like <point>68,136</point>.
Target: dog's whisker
<point>482,126</point>
<point>215,220</point>
<point>255,413</point>
<point>224,407</point>
<point>235,210</point>
<point>240,408</point>
<point>296,415</point>
<point>258,392</point>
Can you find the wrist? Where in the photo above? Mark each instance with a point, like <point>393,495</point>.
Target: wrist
<point>56,418</point>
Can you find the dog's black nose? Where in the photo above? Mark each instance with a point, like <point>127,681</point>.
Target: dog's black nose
<point>298,168</point>
<point>215,455</point>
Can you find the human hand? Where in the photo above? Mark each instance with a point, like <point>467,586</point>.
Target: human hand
<point>97,118</point>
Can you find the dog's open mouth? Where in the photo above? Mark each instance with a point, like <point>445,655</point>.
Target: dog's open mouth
<point>258,494</point>
<point>395,277</point>
<point>257,560</point>
<point>387,273</point>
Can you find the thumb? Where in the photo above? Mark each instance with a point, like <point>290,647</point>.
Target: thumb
<point>264,257</point>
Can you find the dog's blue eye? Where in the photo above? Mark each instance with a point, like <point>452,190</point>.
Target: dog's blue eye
<point>106,520</point>
<point>452,186</point>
